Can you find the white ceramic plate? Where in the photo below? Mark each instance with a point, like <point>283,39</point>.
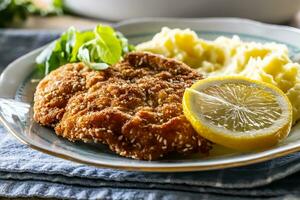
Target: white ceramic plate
<point>272,11</point>
<point>16,82</point>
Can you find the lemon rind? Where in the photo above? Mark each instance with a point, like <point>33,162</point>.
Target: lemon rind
<point>240,142</point>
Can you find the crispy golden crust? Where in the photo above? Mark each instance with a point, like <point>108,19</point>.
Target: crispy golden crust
<point>53,92</point>
<point>134,106</point>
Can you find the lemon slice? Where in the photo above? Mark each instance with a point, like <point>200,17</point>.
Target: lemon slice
<point>238,113</point>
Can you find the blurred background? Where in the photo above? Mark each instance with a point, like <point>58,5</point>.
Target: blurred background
<point>60,14</point>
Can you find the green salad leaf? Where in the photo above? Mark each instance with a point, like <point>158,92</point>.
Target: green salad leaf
<point>58,52</point>
<point>110,49</point>
<point>97,49</point>
<point>105,48</point>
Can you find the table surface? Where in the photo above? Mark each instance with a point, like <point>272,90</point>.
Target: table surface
<point>61,22</point>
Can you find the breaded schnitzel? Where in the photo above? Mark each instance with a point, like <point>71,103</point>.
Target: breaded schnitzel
<point>133,106</point>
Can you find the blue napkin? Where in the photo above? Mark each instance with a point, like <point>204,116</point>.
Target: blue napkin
<point>27,173</point>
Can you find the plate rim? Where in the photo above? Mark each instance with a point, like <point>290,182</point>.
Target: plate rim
<point>235,162</point>
<point>205,19</point>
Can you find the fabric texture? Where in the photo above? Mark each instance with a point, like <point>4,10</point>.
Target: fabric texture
<point>28,173</point>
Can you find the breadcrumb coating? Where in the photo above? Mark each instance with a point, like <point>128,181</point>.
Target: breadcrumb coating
<point>134,106</point>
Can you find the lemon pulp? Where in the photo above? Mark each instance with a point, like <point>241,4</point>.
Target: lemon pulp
<point>237,112</point>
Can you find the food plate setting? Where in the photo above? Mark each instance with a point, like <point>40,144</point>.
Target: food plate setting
<point>179,95</point>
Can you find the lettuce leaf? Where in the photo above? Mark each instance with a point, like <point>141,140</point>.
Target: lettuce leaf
<point>109,46</point>
<point>97,49</point>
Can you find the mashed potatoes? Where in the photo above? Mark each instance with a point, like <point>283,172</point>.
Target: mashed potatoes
<point>267,62</point>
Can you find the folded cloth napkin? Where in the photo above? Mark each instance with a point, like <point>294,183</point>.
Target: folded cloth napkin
<point>28,173</point>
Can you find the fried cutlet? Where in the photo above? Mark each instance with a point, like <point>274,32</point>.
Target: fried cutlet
<point>133,106</point>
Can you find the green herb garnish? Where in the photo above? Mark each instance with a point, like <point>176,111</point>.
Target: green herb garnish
<point>97,49</point>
